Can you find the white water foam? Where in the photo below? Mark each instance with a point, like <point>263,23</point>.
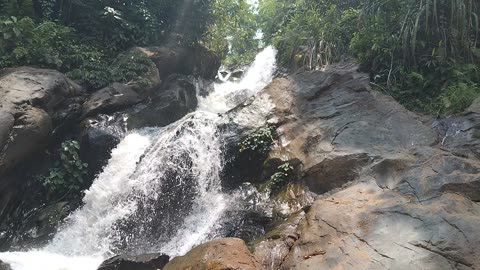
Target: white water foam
<point>150,171</point>
<point>229,94</point>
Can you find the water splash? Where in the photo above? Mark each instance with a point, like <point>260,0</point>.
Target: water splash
<point>161,190</point>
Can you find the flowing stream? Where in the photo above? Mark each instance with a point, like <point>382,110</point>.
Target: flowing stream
<point>160,191</point>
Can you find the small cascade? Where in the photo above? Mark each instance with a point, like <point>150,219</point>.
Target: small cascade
<point>160,191</point>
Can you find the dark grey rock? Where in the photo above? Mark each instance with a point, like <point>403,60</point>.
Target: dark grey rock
<point>96,145</point>
<point>110,99</point>
<point>176,97</point>
<point>141,262</point>
<point>4,266</point>
<point>196,61</point>
<point>41,224</point>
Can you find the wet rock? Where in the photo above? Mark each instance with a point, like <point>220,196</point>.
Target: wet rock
<point>4,266</point>
<point>223,254</point>
<point>176,97</point>
<point>237,74</point>
<point>247,224</point>
<point>36,106</point>
<point>141,262</point>
<point>334,172</point>
<point>109,99</point>
<point>246,166</point>
<point>40,225</point>
<point>97,143</point>
<point>291,198</point>
<point>237,97</point>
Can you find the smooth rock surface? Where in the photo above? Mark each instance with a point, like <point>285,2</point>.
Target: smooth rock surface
<point>109,99</point>
<point>426,220</point>
<point>32,103</point>
<point>393,198</point>
<point>141,262</point>
<point>97,143</point>
<point>174,99</point>
<point>223,254</point>
<point>196,61</point>
<point>36,106</point>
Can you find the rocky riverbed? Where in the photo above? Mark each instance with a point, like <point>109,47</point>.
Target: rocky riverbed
<point>375,186</point>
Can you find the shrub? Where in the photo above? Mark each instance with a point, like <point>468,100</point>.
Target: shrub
<point>259,141</point>
<point>414,50</point>
<point>51,45</point>
<point>97,73</point>
<point>68,173</point>
<point>45,45</point>
<point>280,177</point>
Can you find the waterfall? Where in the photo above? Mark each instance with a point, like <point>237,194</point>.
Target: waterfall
<point>160,191</point>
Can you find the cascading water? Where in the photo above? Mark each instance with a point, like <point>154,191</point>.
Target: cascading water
<point>160,192</point>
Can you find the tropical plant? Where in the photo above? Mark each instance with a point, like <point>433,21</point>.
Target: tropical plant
<point>68,173</point>
<point>308,33</point>
<point>280,177</point>
<point>258,141</point>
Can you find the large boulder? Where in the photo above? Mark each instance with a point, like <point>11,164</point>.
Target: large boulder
<point>196,61</point>
<point>392,198</point>
<point>335,124</point>
<point>140,262</point>
<point>98,137</point>
<point>35,106</point>
<point>398,217</point>
<point>173,100</point>
<point>149,77</point>
<point>271,249</point>
<point>223,254</point>
<point>109,99</point>
<point>32,103</point>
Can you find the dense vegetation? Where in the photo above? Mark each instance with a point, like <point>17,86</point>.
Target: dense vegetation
<point>425,53</point>
<point>83,37</point>
<point>233,31</point>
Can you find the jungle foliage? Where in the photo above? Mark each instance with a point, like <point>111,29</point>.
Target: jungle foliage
<point>83,37</point>
<point>68,172</point>
<point>232,33</point>
<point>425,53</point>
